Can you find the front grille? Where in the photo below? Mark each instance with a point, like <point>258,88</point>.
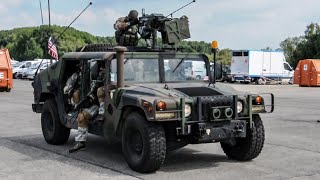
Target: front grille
<point>206,104</point>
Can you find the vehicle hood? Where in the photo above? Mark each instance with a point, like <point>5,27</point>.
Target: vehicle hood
<point>153,90</point>
<point>179,90</point>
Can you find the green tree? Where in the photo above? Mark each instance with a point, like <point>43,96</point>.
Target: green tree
<point>289,46</point>
<point>306,47</point>
<point>26,48</point>
<point>267,49</point>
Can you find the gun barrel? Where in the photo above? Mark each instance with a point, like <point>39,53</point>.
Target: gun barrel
<point>181,8</point>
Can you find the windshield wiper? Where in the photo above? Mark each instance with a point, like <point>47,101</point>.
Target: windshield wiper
<point>180,62</point>
<point>126,60</point>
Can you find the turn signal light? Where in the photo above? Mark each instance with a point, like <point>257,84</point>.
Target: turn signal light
<point>259,100</point>
<point>161,106</point>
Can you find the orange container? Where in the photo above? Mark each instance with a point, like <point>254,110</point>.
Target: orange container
<point>307,73</point>
<point>297,74</point>
<point>6,82</point>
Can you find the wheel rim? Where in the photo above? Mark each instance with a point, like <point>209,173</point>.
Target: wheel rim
<point>135,143</point>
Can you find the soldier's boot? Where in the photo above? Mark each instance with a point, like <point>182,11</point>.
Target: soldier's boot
<point>77,147</point>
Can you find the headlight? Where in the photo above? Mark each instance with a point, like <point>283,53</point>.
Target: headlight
<point>187,110</point>
<point>239,107</point>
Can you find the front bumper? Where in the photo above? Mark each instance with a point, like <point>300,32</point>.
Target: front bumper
<point>30,76</point>
<point>207,132</point>
<point>37,108</point>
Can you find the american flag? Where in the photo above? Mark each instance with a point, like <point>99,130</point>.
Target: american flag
<point>52,49</point>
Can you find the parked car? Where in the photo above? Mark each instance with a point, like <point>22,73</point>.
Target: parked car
<point>17,71</point>
<point>25,72</point>
<point>226,73</point>
<point>13,62</point>
<point>30,74</point>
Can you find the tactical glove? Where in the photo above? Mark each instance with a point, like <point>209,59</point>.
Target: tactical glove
<point>133,22</point>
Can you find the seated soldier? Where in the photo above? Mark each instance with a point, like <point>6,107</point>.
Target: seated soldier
<point>72,87</point>
<point>175,72</point>
<point>95,96</point>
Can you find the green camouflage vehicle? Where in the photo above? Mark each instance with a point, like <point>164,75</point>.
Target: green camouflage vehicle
<point>153,104</point>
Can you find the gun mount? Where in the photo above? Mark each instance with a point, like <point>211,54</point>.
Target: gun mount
<point>172,30</point>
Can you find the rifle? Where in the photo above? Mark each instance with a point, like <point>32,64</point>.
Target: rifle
<point>172,29</point>
<point>85,101</point>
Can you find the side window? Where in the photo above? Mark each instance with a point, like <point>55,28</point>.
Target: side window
<point>28,64</point>
<point>287,67</point>
<point>240,53</point>
<point>137,70</point>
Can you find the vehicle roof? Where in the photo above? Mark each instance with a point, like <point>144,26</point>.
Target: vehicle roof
<point>111,55</point>
<point>257,50</point>
<point>88,55</point>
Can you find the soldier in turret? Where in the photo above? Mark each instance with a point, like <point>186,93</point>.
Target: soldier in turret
<point>127,29</point>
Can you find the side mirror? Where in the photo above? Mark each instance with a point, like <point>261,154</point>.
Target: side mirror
<point>219,73</point>
<point>94,71</point>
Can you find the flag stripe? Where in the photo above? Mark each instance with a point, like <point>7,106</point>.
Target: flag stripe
<point>52,49</point>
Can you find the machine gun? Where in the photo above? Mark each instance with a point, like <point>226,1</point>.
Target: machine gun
<point>172,29</point>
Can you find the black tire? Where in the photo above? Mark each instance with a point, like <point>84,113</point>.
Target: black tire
<point>96,48</point>
<point>8,89</point>
<point>53,131</point>
<point>250,147</point>
<point>143,144</point>
<point>14,76</point>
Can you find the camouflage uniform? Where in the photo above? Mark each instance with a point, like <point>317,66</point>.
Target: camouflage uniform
<point>72,88</point>
<point>126,35</point>
<point>87,113</point>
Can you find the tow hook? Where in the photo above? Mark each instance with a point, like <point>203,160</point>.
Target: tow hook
<point>238,128</point>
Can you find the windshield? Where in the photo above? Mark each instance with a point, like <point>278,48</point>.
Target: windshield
<point>138,70</point>
<point>17,64</point>
<point>187,70</point>
<point>34,66</point>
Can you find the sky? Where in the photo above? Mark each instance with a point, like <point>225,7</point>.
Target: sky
<point>235,24</point>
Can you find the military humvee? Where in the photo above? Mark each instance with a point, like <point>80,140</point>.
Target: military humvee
<point>153,104</point>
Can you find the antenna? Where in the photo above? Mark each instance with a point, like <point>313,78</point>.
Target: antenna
<point>49,13</point>
<point>41,11</point>
<point>55,40</point>
<point>143,12</point>
<point>70,24</point>
<point>181,8</point>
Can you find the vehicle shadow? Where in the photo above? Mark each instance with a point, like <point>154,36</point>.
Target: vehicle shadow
<point>190,159</point>
<point>109,155</point>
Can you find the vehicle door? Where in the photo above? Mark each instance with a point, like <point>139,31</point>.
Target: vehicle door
<point>287,70</point>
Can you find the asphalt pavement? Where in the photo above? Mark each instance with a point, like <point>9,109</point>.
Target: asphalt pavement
<point>291,151</point>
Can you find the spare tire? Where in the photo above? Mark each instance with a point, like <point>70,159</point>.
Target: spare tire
<point>96,48</point>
